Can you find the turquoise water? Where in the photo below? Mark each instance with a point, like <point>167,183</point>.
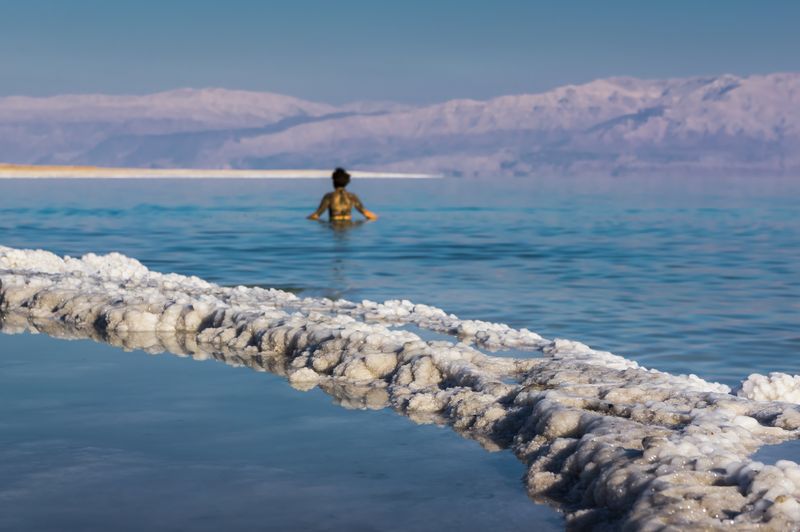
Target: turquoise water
<point>681,275</point>
<point>95,439</point>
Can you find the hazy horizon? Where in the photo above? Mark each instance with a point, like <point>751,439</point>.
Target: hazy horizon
<point>723,125</point>
<point>386,100</point>
<point>455,88</point>
<point>361,51</point>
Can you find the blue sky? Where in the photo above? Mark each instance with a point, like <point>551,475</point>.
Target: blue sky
<point>412,51</point>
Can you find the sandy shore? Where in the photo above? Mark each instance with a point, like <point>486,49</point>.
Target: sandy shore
<point>22,171</point>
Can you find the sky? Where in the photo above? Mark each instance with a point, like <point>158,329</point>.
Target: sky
<point>407,51</point>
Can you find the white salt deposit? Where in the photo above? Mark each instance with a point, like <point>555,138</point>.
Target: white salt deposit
<point>775,387</point>
<point>610,443</point>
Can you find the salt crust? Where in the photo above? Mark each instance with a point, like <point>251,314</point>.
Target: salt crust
<point>610,443</point>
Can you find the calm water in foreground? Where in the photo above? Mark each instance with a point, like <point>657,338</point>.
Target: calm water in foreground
<point>682,275</point>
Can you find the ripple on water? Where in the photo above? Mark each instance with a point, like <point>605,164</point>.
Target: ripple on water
<point>667,272</point>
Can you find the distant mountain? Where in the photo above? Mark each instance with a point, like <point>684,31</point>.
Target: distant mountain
<point>719,125</point>
<point>67,128</point>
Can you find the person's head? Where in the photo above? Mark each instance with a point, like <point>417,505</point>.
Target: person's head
<point>340,178</point>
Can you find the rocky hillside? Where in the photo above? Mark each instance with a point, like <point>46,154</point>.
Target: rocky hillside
<point>721,125</point>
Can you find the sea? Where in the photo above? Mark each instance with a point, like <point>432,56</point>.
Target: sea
<point>685,275</point>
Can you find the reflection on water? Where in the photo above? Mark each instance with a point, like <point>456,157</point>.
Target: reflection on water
<point>341,228</point>
<point>346,394</point>
<point>127,443</point>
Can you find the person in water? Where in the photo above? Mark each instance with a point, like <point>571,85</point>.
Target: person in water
<point>340,202</point>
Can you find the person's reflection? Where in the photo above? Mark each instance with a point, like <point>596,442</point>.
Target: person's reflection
<point>341,227</point>
<point>339,279</point>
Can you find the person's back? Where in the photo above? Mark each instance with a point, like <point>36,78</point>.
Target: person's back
<point>340,202</point>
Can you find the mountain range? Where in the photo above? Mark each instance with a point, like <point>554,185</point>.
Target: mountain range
<point>721,125</point>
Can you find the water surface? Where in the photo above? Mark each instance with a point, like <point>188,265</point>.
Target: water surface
<point>685,275</point>
<point>93,438</point>
<point>682,275</point>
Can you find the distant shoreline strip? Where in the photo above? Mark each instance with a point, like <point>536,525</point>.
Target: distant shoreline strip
<point>33,172</point>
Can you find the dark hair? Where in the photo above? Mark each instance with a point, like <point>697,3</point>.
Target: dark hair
<point>340,178</point>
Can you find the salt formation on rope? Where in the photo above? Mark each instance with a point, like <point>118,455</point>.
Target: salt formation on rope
<point>612,444</point>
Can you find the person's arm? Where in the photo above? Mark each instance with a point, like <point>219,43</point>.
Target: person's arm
<point>324,204</point>
<point>369,215</point>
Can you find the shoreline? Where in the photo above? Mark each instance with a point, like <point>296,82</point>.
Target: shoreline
<point>649,449</point>
<point>13,171</point>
